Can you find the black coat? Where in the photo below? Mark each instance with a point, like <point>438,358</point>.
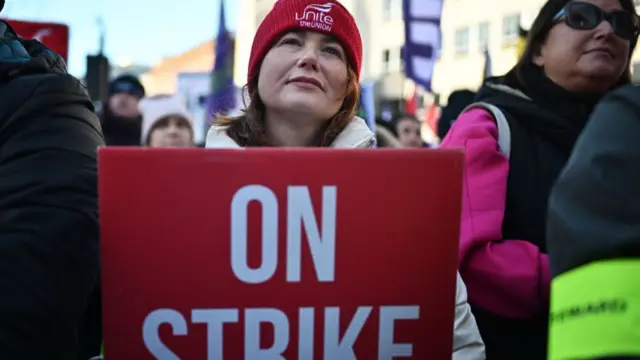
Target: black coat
<point>593,227</point>
<point>49,233</point>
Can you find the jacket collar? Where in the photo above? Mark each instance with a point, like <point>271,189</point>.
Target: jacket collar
<point>355,135</point>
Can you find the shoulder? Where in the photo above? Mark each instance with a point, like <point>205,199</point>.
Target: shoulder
<point>53,103</point>
<point>355,135</point>
<point>623,101</point>
<point>48,89</point>
<point>43,84</point>
<point>217,137</point>
<point>610,136</point>
<point>472,124</point>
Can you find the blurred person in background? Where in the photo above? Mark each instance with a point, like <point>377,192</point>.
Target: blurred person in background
<point>386,139</point>
<point>120,118</point>
<point>49,233</point>
<point>407,129</point>
<point>457,101</point>
<point>166,122</point>
<point>593,236</point>
<point>577,51</point>
<point>303,91</point>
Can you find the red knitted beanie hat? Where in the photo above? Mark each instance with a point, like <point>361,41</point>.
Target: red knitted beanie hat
<point>326,16</point>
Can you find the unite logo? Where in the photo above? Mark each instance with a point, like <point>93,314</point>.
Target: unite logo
<point>41,34</point>
<point>316,16</point>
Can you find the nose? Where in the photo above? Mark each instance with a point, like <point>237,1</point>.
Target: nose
<point>172,129</point>
<point>604,29</point>
<point>309,59</point>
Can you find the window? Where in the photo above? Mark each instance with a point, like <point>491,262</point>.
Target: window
<point>386,57</point>
<point>391,9</point>
<point>397,62</point>
<point>510,28</point>
<point>483,36</point>
<point>392,60</point>
<point>462,41</point>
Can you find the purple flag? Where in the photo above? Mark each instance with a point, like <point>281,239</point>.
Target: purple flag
<point>223,93</point>
<point>422,39</point>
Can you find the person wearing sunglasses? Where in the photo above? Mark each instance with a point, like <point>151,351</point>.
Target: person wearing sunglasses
<point>576,52</point>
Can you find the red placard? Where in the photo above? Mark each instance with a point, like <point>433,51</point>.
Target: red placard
<point>278,253</point>
<point>54,36</point>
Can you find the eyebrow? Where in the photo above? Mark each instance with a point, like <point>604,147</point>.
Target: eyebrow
<point>327,39</point>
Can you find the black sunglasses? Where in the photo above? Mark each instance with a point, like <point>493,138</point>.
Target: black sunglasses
<point>586,16</point>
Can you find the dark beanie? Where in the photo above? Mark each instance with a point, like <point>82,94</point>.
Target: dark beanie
<point>127,84</point>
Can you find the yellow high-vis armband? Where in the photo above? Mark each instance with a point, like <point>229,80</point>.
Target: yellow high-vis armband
<point>595,311</point>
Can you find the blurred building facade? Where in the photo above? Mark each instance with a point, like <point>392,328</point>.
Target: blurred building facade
<point>468,26</point>
<point>162,78</point>
<point>126,67</point>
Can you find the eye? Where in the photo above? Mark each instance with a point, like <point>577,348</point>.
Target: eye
<point>333,51</point>
<point>291,41</point>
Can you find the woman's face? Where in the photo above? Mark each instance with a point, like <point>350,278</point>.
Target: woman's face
<point>171,132</point>
<point>304,73</point>
<point>585,60</point>
<point>409,133</point>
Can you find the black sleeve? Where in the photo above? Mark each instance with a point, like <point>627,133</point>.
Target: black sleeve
<point>593,237</point>
<point>49,235</point>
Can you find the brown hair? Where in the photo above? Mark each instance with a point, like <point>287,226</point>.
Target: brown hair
<point>164,122</point>
<point>540,29</point>
<point>249,129</point>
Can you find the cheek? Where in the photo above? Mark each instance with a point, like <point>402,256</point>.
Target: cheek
<point>573,43</point>
<point>113,102</point>
<point>155,137</point>
<point>564,44</point>
<point>338,79</point>
<point>185,133</point>
<point>132,104</point>
<point>269,74</point>
<point>622,49</point>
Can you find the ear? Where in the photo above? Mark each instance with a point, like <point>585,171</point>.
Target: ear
<point>538,60</point>
<point>537,57</point>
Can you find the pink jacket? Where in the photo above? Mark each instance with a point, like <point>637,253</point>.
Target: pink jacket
<point>508,277</point>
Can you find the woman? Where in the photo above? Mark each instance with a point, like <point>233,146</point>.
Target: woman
<point>408,130</point>
<point>166,122</point>
<point>303,91</point>
<point>576,52</point>
<point>303,85</point>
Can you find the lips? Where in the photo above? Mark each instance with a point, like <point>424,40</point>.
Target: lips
<point>306,80</point>
<point>602,50</point>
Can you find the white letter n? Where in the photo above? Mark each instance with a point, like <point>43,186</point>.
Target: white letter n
<point>322,247</point>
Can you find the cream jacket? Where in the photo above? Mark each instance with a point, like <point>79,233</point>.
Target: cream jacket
<point>355,135</point>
